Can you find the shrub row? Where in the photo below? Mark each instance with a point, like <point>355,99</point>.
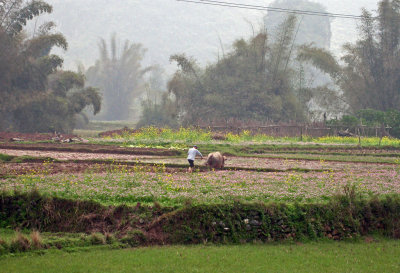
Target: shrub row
<point>35,211</point>
<point>343,217</point>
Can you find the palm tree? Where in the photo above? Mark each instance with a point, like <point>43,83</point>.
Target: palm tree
<point>118,74</point>
<point>35,94</point>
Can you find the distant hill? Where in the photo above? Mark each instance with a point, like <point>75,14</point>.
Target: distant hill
<point>166,27</point>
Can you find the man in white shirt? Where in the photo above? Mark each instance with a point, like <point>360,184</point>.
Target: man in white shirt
<point>192,153</point>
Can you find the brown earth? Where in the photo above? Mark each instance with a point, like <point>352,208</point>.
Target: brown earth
<point>67,155</point>
<point>74,162</point>
<point>87,148</point>
<point>8,136</point>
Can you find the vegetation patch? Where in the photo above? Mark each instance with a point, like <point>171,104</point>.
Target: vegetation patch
<point>6,158</point>
<point>38,212</point>
<point>14,242</point>
<point>346,216</point>
<point>152,135</point>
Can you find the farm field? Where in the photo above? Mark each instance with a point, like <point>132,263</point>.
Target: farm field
<point>129,185</point>
<point>116,177</point>
<point>126,174</point>
<point>266,161</point>
<point>147,177</point>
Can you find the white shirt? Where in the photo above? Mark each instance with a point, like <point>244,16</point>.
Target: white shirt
<point>192,154</point>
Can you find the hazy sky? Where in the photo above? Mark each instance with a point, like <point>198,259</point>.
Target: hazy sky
<point>166,27</point>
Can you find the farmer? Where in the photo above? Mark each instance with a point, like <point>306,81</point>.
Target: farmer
<point>192,153</point>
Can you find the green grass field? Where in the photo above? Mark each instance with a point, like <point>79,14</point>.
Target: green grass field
<point>379,256</point>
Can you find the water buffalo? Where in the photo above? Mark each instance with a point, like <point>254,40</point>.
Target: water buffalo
<point>215,160</point>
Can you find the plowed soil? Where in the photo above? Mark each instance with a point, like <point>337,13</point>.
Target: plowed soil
<point>8,136</point>
<point>92,161</point>
<point>87,148</point>
<point>61,155</point>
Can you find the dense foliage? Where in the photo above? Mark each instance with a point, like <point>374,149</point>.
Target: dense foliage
<point>373,118</point>
<point>159,114</point>
<point>254,81</point>
<point>35,95</point>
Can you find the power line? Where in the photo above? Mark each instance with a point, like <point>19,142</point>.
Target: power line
<point>284,9</point>
<point>273,9</point>
<point>266,8</point>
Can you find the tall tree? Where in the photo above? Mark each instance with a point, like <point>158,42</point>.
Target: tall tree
<point>119,75</point>
<point>25,67</point>
<point>14,14</point>
<point>253,81</point>
<point>57,111</point>
<point>369,74</point>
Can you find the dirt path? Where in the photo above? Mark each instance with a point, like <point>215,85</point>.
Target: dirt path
<point>76,155</point>
<point>11,169</point>
<point>87,148</point>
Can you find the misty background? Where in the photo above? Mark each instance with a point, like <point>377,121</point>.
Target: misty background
<point>166,27</point>
<point>173,63</point>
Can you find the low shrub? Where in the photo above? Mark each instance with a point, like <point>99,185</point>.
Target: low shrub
<point>20,243</point>
<point>134,238</point>
<point>37,241</point>
<point>4,248</point>
<point>110,238</point>
<point>97,239</point>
